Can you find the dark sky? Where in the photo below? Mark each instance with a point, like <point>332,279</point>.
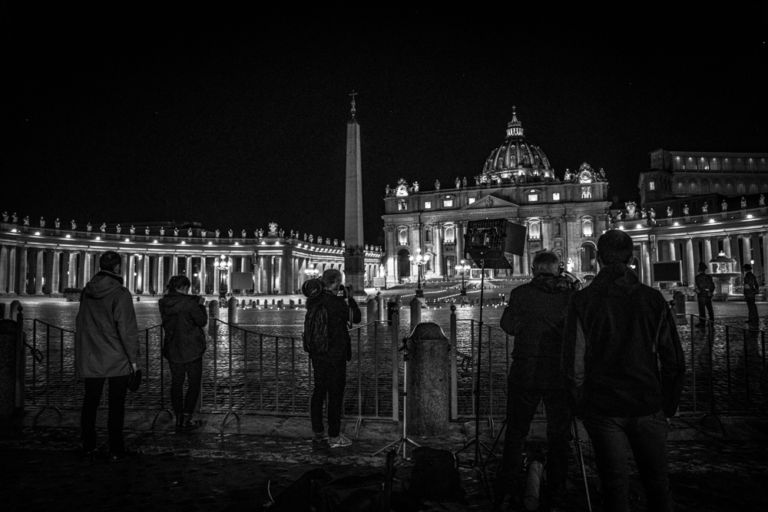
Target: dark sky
<point>237,124</point>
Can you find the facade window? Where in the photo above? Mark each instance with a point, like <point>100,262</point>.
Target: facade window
<point>450,235</point>
<point>448,202</point>
<point>651,185</point>
<point>534,230</point>
<point>586,227</point>
<point>402,236</point>
<point>471,200</point>
<point>533,197</point>
<point>586,192</point>
<point>428,234</point>
<point>556,196</point>
<point>427,205</point>
<point>402,205</point>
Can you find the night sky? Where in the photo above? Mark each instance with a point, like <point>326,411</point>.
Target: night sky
<point>240,124</point>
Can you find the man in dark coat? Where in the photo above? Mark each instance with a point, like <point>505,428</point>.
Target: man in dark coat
<point>330,366</point>
<point>625,366</point>
<point>751,287</point>
<point>106,347</point>
<point>535,316</point>
<point>184,343</point>
<point>705,288</point>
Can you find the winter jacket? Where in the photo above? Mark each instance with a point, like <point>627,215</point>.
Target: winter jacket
<point>751,287</point>
<point>621,352</point>
<point>535,316</point>
<point>705,285</point>
<point>183,320</point>
<point>106,335</point>
<point>340,316</point>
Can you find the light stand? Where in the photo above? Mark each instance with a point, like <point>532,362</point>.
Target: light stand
<point>403,442</point>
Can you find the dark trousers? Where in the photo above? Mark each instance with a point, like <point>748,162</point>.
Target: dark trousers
<point>751,310</point>
<point>521,407</point>
<point>330,379</point>
<point>193,373</point>
<point>118,387</point>
<point>705,305</point>
<point>645,436</point>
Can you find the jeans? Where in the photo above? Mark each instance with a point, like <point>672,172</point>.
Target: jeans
<point>118,387</point>
<point>330,379</point>
<point>646,436</point>
<point>521,407</point>
<point>705,302</point>
<point>193,371</point>
<point>751,310</point>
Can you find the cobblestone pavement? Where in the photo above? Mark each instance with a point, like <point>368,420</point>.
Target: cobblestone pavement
<point>714,467</point>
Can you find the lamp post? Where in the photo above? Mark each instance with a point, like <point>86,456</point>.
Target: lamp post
<point>420,260</point>
<point>223,264</point>
<point>461,268</point>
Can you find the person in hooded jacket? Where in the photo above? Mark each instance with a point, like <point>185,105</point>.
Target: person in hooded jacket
<point>330,367</point>
<point>535,316</point>
<point>183,316</point>
<point>106,347</point>
<point>625,368</point>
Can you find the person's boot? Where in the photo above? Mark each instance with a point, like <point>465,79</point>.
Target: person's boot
<point>190,424</point>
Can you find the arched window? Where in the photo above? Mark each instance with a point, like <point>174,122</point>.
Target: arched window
<point>402,235</point>
<point>450,234</point>
<point>534,229</point>
<point>587,227</point>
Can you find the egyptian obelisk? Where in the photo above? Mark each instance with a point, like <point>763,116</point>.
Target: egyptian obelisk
<point>354,254</point>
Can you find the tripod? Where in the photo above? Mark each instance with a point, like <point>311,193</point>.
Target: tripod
<point>403,442</point>
<point>478,461</point>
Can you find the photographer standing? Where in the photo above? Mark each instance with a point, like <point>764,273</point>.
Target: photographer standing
<point>183,317</point>
<point>330,355</point>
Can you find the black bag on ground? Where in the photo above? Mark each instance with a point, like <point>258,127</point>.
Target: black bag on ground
<point>435,476</point>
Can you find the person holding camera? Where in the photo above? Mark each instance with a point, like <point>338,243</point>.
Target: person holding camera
<point>330,355</point>
<point>183,316</point>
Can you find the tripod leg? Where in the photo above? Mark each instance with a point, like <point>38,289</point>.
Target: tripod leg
<point>577,441</point>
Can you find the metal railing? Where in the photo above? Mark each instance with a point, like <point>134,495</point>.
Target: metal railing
<point>246,371</point>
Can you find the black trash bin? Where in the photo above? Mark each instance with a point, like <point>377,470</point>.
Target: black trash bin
<point>678,306</point>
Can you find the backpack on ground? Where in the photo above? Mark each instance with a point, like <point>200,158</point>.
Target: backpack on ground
<point>315,335</point>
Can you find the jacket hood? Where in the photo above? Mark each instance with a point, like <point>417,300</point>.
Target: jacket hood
<point>551,283</point>
<point>103,284</point>
<point>175,301</point>
<point>618,280</point>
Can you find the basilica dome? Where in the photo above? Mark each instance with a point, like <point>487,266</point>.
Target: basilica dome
<point>516,160</point>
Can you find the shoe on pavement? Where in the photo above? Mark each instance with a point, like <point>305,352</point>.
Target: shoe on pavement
<point>320,438</point>
<point>340,441</point>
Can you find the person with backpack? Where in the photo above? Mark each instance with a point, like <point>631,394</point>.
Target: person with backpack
<point>331,311</point>
<point>183,317</point>
<point>705,288</point>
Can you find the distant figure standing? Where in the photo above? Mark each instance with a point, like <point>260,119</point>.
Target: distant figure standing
<point>183,316</point>
<point>705,288</point>
<point>625,366</point>
<point>535,316</point>
<point>106,346</point>
<point>329,362</point>
<point>751,288</point>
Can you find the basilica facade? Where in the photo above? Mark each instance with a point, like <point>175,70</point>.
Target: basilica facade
<point>424,229</point>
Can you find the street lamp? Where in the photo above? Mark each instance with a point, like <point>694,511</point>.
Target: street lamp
<point>461,268</point>
<point>420,260</point>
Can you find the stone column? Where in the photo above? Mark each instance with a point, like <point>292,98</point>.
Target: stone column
<point>23,271</point>
<point>131,271</point>
<point>39,272</point>
<point>174,265</point>
<point>160,275</point>
<point>438,245</point>
<point>277,263</point>
<point>145,275</point>
<point>12,270</point>
<point>727,246</point>
<point>429,381</point>
<point>216,281</point>
<point>56,272</point>
<point>202,274</point>
<point>757,268</point>
<point>459,233</point>
<point>747,249</point>
<point>690,270</point>
<point>87,270</point>
<point>672,251</point>
<point>3,269</point>
<point>645,254</point>
<point>72,270</point>
<point>707,251</point>
<point>526,265</point>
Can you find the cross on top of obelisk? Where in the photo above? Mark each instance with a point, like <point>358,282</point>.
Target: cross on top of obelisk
<point>353,109</point>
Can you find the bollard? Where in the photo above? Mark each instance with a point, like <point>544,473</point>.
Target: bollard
<point>213,313</point>
<point>428,380</point>
<point>231,310</point>
<point>679,307</point>
<point>12,369</point>
<point>372,312</point>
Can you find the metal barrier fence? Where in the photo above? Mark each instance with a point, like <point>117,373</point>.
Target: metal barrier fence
<point>246,371</point>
